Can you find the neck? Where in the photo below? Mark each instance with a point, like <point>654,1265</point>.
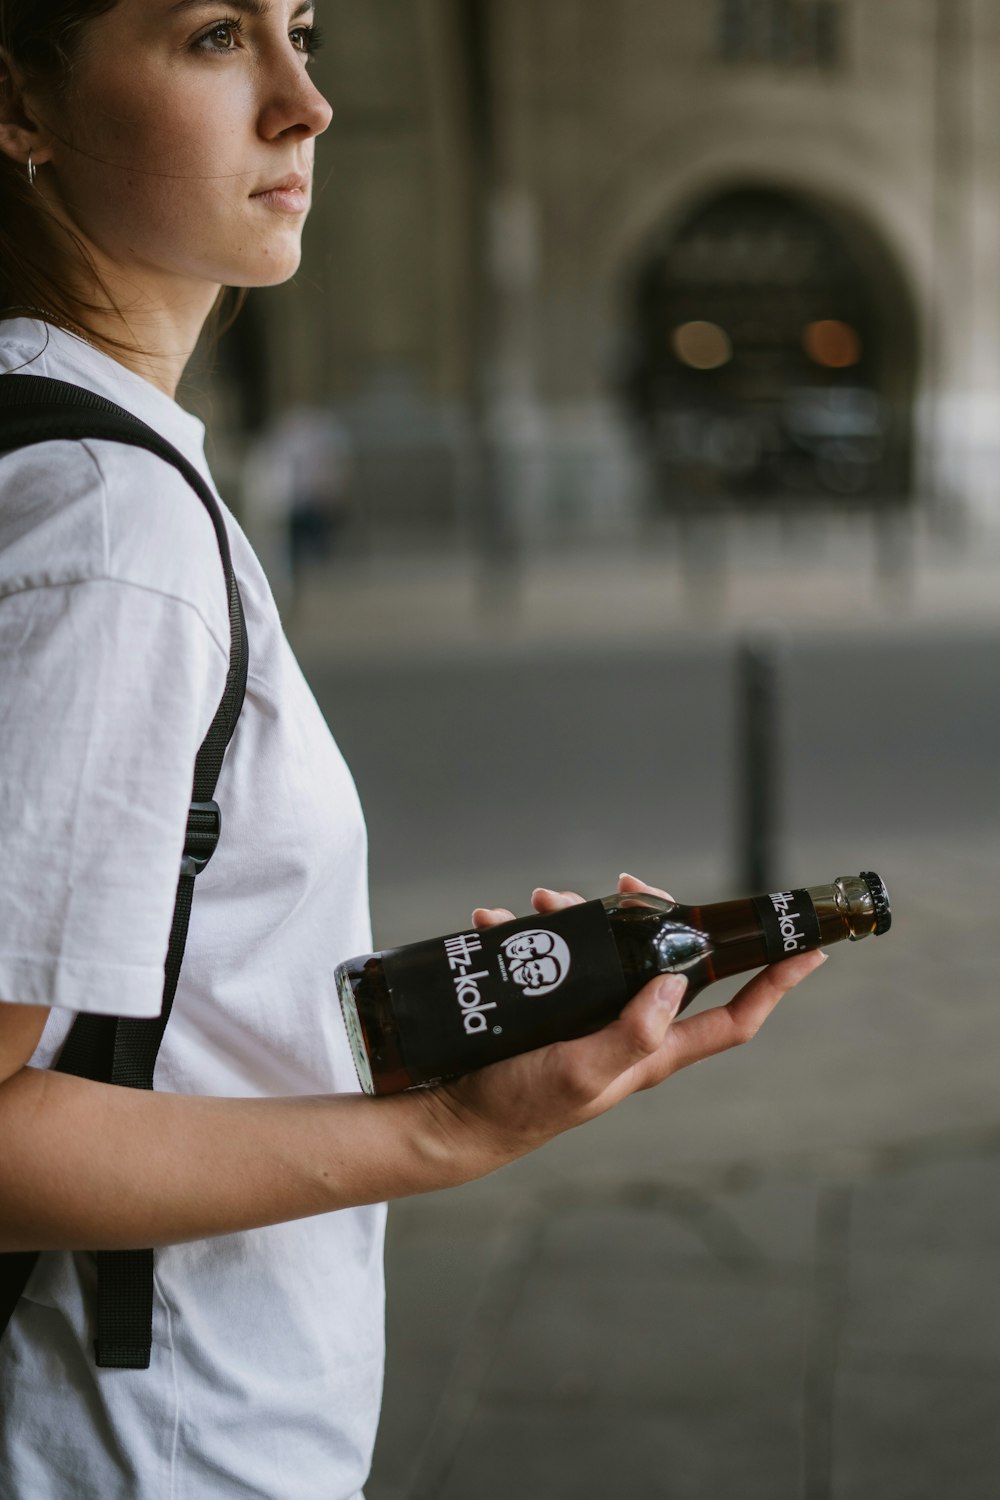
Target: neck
<point>154,341</point>
<point>147,319</point>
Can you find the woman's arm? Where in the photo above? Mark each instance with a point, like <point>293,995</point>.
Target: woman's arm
<point>90,1166</point>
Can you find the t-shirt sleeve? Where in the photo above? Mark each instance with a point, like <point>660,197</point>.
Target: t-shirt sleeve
<point>107,690</point>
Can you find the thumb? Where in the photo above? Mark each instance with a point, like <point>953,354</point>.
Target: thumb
<point>638,1032</point>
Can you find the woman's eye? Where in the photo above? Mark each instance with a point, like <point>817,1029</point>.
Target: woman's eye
<point>224,37</point>
<point>307,39</point>
<point>221,38</point>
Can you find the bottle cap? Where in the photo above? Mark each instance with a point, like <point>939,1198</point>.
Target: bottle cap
<point>880,901</point>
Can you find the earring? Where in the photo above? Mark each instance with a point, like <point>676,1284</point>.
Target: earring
<point>32,170</point>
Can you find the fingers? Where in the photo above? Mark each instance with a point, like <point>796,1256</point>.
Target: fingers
<point>500,1112</point>
<point>631,884</point>
<point>595,1072</point>
<point>503,1111</point>
<point>715,1031</point>
<point>638,1034</point>
<point>491,916</point>
<point>545,900</point>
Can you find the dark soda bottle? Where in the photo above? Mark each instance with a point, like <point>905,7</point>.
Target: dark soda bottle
<point>435,1010</point>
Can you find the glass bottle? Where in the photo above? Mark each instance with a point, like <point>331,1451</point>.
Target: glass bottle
<point>434,1010</point>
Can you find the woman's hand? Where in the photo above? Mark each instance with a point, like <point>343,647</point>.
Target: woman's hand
<point>501,1112</point>
<point>178,1168</point>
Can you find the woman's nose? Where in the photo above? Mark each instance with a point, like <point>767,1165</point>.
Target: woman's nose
<point>294,104</point>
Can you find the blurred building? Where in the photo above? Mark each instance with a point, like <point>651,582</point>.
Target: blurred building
<point>574,263</point>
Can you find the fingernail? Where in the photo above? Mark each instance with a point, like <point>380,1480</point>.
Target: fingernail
<point>541,890</point>
<point>625,876</point>
<point>670,992</point>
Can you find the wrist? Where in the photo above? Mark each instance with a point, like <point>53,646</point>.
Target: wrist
<point>451,1145</point>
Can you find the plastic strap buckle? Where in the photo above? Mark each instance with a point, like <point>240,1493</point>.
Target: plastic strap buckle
<point>204,829</point>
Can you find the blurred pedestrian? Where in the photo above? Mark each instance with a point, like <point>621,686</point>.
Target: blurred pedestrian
<point>297,493</point>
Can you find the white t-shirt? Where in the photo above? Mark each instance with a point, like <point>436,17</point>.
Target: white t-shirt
<point>114,643</point>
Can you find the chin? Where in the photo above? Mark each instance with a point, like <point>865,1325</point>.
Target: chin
<point>272,271</point>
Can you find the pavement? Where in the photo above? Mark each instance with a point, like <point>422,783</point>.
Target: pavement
<point>774,1278</point>
<point>777,1334</point>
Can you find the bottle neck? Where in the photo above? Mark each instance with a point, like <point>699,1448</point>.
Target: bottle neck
<point>765,929</point>
<point>731,937</point>
<point>844,909</point>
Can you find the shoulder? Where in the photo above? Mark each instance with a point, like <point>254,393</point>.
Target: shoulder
<point>75,512</point>
<point>160,534</point>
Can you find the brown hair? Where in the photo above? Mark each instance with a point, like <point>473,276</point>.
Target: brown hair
<point>44,266</point>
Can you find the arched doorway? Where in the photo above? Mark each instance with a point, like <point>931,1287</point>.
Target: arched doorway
<point>774,357</point>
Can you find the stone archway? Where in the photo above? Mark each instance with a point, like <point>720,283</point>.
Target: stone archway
<point>774,355</point>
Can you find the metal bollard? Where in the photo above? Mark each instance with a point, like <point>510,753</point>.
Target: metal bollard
<point>758,765</point>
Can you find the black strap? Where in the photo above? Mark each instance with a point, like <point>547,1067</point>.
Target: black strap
<point>113,1049</point>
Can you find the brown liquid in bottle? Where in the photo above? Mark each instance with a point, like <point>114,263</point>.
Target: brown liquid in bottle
<point>388,1026</point>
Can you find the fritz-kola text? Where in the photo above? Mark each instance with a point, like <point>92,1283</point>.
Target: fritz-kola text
<point>794,941</point>
<point>461,960</point>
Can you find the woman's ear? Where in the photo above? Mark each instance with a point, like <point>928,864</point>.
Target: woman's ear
<point>20,132</point>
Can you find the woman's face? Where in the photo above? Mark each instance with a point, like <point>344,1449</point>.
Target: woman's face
<point>181,121</point>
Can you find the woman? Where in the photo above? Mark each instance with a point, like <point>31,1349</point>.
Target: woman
<point>151,153</point>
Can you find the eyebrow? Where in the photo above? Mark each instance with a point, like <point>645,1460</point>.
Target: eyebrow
<point>252,7</point>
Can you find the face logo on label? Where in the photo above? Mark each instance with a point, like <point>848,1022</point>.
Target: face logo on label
<point>538,961</point>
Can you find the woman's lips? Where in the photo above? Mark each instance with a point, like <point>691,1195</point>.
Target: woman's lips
<point>287,197</point>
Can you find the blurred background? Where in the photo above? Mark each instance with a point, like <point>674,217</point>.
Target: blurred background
<point>625,461</point>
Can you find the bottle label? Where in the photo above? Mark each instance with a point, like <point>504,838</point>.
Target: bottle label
<point>790,923</point>
<point>473,998</point>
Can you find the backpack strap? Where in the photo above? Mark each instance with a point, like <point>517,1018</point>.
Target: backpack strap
<point>111,1049</point>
